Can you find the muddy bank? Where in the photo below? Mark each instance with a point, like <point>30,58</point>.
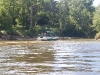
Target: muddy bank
<point>11,37</point>
<point>69,38</point>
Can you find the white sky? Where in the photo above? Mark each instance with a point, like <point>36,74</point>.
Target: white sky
<point>95,3</point>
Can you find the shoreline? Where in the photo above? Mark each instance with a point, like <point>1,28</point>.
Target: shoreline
<point>18,38</point>
<point>32,41</point>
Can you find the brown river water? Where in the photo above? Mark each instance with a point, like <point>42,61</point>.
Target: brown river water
<point>67,57</point>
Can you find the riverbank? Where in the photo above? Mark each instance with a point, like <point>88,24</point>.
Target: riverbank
<point>26,41</point>
<point>9,37</point>
<point>19,38</point>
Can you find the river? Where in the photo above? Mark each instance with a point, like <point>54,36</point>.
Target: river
<point>62,57</point>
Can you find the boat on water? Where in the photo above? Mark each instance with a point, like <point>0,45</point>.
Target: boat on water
<point>47,35</point>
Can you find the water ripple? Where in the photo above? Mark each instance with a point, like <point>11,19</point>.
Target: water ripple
<point>51,58</point>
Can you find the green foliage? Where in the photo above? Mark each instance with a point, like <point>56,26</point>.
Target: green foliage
<point>96,19</point>
<point>81,15</point>
<point>97,35</point>
<point>66,18</point>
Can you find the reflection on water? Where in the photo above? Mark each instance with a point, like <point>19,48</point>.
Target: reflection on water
<point>51,58</point>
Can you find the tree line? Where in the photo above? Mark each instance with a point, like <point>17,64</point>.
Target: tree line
<point>65,17</point>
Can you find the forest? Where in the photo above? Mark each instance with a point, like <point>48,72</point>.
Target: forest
<point>68,18</point>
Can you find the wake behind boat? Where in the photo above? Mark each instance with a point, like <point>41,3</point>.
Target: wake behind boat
<point>47,35</point>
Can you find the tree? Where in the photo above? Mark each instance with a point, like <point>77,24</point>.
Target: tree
<point>96,19</point>
<point>81,15</point>
<point>64,21</point>
<point>5,17</point>
<point>66,17</point>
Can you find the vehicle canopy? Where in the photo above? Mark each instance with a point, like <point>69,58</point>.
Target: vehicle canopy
<point>49,32</point>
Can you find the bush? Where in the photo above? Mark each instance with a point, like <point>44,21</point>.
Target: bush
<point>97,35</point>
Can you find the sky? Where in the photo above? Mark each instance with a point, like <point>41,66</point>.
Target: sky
<point>95,3</point>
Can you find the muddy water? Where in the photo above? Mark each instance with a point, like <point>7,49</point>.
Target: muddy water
<point>50,58</point>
